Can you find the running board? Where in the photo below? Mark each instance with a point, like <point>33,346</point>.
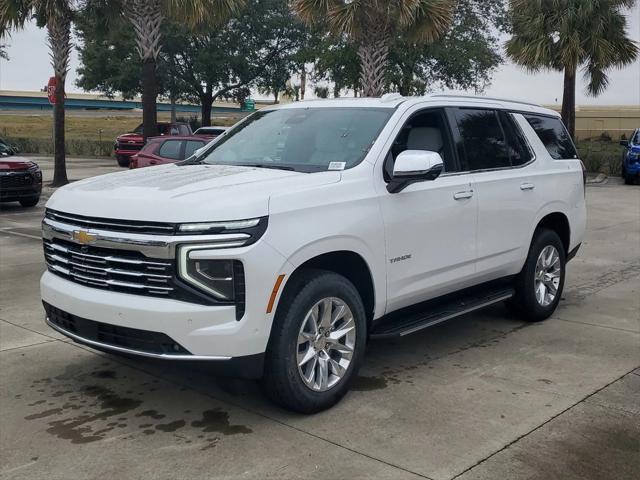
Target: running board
<point>398,324</point>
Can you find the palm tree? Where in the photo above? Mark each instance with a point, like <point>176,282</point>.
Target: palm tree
<point>147,16</point>
<point>373,24</point>
<point>56,15</point>
<point>564,35</point>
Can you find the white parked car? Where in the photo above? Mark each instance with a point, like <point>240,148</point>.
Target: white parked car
<point>310,228</point>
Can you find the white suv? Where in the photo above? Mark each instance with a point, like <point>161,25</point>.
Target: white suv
<point>308,228</point>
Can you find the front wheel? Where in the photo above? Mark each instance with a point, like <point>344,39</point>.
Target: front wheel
<point>123,161</point>
<point>30,202</point>
<point>317,342</point>
<point>539,285</point>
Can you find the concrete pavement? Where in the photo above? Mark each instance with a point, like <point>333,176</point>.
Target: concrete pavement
<point>481,397</point>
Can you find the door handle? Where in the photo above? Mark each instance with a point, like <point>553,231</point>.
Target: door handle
<point>463,195</point>
<point>527,186</point>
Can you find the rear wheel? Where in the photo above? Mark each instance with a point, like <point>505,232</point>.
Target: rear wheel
<point>539,285</point>
<point>317,343</point>
<point>30,202</point>
<point>123,161</point>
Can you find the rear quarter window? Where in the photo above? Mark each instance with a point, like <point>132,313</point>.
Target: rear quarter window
<point>554,136</point>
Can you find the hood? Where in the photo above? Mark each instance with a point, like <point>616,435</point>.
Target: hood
<point>189,193</point>
<point>15,163</point>
<point>635,148</point>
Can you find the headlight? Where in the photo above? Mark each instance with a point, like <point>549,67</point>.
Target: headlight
<point>213,276</point>
<point>218,226</point>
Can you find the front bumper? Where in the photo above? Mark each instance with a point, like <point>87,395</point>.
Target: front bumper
<point>135,342</point>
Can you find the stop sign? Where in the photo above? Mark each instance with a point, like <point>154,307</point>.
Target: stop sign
<point>51,90</point>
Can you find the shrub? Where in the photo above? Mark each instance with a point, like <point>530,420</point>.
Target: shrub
<point>605,137</point>
<point>74,147</point>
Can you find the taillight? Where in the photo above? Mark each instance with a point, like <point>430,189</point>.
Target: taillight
<point>584,178</point>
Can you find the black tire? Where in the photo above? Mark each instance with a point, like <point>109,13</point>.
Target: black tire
<point>30,202</point>
<point>282,381</point>
<point>524,302</point>
<point>123,161</point>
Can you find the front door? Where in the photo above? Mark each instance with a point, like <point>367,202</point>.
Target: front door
<point>430,226</point>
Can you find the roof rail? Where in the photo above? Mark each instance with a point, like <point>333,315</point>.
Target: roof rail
<point>390,97</point>
<point>479,97</point>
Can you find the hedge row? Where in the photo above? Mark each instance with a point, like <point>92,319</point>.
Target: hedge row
<point>77,148</point>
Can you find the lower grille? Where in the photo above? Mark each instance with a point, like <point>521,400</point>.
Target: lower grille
<point>16,180</point>
<point>117,270</point>
<point>113,335</point>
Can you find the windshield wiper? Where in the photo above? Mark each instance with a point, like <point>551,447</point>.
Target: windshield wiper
<point>262,165</point>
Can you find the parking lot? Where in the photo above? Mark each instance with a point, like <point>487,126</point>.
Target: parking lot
<point>484,396</point>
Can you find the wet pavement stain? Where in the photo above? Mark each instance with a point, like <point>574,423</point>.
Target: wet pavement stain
<point>80,429</point>
<point>217,420</point>
<point>46,413</point>
<point>367,384</point>
<point>152,414</point>
<point>84,412</point>
<point>172,426</point>
<point>104,374</point>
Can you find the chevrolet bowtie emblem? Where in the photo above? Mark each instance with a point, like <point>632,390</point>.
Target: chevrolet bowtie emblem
<point>83,237</point>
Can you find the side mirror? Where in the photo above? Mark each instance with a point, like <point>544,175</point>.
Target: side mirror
<point>413,166</point>
<point>624,143</point>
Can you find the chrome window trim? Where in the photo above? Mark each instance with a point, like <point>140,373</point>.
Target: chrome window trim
<point>107,346</point>
<point>499,169</point>
<point>153,246</point>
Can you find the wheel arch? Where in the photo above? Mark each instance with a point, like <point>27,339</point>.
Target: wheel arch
<point>559,223</point>
<point>347,263</point>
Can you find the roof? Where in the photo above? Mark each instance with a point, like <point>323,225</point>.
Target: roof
<point>392,101</point>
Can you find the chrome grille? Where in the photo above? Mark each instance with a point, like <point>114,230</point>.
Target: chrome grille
<point>109,269</point>
<point>130,226</point>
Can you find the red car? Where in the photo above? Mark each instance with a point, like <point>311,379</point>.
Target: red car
<point>161,150</point>
<point>128,144</point>
<point>20,180</point>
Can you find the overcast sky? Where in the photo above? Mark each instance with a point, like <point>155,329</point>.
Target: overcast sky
<point>28,68</point>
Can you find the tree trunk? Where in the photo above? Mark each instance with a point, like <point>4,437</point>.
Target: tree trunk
<point>275,96</point>
<point>146,18</point>
<point>174,116</point>
<point>373,52</point>
<point>303,82</point>
<point>59,38</point>
<point>206,101</point>
<point>149,98</point>
<point>569,100</point>
<point>59,153</point>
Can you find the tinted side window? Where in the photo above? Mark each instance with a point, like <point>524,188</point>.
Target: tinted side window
<point>483,140</point>
<point>426,130</point>
<point>519,150</point>
<point>554,136</point>
<point>191,147</point>
<point>170,149</point>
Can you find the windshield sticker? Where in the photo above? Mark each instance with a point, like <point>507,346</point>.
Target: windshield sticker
<point>337,165</point>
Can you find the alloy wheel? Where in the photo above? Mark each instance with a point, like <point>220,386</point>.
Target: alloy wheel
<point>547,276</point>
<point>326,342</point>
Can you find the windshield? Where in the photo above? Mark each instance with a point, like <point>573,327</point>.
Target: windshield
<point>636,138</point>
<point>304,140</point>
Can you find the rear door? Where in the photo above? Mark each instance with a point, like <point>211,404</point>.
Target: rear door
<point>170,151</point>
<point>493,149</point>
